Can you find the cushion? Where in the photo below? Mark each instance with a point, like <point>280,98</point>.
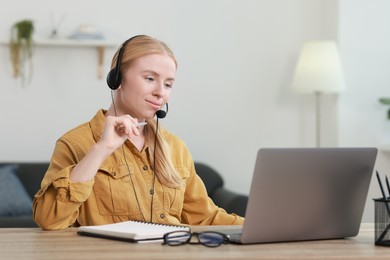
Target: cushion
<point>14,199</point>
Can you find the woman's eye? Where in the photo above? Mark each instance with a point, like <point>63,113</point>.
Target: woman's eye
<point>168,85</point>
<point>150,79</point>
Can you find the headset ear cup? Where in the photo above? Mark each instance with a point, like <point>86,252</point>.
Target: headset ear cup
<point>114,79</point>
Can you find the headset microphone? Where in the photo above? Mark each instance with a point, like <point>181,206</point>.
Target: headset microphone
<point>160,114</point>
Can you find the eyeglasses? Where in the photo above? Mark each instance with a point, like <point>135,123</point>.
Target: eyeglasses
<point>209,238</point>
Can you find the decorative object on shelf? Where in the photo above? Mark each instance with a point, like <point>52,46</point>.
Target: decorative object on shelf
<point>318,71</point>
<point>55,26</point>
<point>21,46</point>
<point>87,32</point>
<point>385,101</point>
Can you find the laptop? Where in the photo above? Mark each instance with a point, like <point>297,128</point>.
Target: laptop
<point>302,194</point>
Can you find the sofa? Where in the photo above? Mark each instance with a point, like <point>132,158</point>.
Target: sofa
<point>231,201</point>
<point>30,174</point>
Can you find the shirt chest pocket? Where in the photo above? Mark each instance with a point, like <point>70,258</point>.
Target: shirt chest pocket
<point>113,191</point>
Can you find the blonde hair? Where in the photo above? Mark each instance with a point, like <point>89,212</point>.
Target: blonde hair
<point>136,47</point>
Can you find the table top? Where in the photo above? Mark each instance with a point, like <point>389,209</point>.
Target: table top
<point>33,243</point>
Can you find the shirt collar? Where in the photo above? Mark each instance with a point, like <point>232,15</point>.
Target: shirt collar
<point>97,124</point>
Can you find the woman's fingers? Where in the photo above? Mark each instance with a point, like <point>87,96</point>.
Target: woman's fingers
<point>128,126</point>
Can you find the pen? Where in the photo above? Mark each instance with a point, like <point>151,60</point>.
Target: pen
<point>388,185</point>
<point>381,237</point>
<point>380,185</point>
<point>120,128</point>
<point>383,193</point>
<point>140,124</point>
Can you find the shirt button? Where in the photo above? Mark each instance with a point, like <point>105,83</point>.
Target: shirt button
<point>162,215</point>
<point>145,167</point>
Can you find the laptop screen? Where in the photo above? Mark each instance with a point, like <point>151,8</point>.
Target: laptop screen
<point>307,193</point>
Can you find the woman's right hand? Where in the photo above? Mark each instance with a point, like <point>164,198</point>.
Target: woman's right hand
<point>117,129</point>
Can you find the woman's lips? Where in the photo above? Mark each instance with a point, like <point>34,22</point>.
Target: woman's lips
<point>155,105</point>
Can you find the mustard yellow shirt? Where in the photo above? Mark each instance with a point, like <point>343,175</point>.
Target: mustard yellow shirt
<point>118,193</point>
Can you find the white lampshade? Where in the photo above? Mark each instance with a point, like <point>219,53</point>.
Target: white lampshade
<point>319,69</point>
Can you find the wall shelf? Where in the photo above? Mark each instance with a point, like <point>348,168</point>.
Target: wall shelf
<point>100,45</point>
<point>75,42</point>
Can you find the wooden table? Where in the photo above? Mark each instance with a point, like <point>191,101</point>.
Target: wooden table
<point>33,243</point>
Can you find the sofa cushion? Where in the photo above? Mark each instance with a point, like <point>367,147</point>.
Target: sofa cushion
<point>31,175</point>
<point>14,199</point>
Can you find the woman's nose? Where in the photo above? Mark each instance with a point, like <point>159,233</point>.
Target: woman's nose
<point>159,89</point>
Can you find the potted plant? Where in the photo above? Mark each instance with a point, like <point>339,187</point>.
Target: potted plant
<point>385,101</point>
<point>21,45</point>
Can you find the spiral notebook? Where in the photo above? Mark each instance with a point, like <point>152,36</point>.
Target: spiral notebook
<point>133,231</point>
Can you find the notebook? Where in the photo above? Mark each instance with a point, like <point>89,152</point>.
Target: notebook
<point>133,231</point>
<point>301,194</point>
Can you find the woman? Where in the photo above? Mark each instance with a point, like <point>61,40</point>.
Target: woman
<point>113,169</point>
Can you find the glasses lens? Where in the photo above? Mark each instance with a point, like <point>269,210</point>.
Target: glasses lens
<point>177,238</point>
<point>212,238</point>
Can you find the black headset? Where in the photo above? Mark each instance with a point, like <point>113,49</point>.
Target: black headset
<point>114,77</point>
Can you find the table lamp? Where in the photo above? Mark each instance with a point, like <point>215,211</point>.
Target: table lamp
<point>318,71</point>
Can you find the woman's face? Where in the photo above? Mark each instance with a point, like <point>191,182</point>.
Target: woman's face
<point>146,86</point>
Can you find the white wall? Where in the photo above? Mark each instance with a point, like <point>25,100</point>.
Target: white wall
<point>365,46</point>
<point>232,95</point>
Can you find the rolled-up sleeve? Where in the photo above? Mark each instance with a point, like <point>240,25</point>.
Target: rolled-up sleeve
<point>57,203</point>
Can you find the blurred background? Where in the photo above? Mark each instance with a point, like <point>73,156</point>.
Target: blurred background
<point>233,93</point>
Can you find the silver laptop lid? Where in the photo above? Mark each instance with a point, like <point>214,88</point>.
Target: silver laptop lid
<point>307,193</point>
